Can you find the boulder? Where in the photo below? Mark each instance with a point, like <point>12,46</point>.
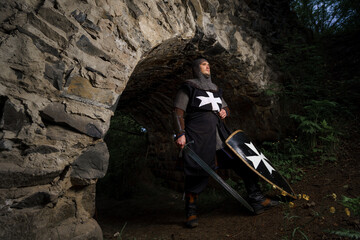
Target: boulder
<point>92,163</point>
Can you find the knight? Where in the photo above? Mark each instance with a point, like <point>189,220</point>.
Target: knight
<point>199,111</point>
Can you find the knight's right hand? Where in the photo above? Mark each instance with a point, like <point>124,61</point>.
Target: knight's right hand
<point>181,141</point>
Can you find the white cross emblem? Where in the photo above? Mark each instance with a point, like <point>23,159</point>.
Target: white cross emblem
<point>259,157</point>
<point>213,101</point>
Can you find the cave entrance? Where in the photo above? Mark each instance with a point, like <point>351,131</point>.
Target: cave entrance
<point>140,139</point>
<point>144,114</point>
<point>142,126</point>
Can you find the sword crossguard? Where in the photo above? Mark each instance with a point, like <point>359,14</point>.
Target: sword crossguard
<point>191,142</point>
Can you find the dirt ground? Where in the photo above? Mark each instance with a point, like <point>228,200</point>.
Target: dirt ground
<point>159,213</point>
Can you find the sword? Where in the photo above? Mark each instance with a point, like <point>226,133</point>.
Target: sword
<point>213,174</point>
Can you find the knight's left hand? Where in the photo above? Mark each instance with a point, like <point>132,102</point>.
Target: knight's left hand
<point>222,113</point>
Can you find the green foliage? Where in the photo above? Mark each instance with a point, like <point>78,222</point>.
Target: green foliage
<point>315,143</point>
<point>236,184</point>
<point>315,133</point>
<point>349,233</point>
<point>286,155</point>
<point>353,204</point>
<point>308,106</point>
<point>127,144</point>
<point>317,92</point>
<point>288,218</point>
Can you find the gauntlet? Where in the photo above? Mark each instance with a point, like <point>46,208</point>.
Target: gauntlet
<point>179,122</point>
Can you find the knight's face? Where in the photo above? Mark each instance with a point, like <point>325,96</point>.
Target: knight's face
<point>205,68</point>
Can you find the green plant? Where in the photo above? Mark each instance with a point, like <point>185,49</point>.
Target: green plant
<point>310,93</point>
<point>352,203</point>
<point>288,218</point>
<point>349,233</point>
<point>316,134</point>
<point>297,229</point>
<point>304,95</point>
<point>286,156</point>
<point>236,184</point>
<point>119,235</point>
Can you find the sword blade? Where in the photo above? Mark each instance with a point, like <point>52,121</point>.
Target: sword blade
<point>213,174</point>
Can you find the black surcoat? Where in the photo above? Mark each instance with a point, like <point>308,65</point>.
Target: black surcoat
<point>201,122</point>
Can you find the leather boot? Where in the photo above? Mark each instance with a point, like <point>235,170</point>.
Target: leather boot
<point>260,206</point>
<point>257,200</point>
<point>190,209</point>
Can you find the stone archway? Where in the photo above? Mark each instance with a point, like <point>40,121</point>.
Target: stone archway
<point>151,89</point>
<point>66,63</point>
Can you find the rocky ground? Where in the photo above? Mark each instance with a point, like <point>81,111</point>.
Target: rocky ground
<point>157,213</point>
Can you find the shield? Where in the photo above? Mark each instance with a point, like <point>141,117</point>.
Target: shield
<point>257,162</point>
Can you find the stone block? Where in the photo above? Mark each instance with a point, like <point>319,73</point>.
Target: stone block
<point>82,90</point>
<point>13,175</point>
<point>55,112</point>
<point>88,25</point>
<point>72,229</point>
<point>58,20</point>
<point>92,163</point>
<point>39,199</point>
<point>6,144</point>
<point>40,44</point>
<point>65,209</point>
<point>89,230</point>
<point>54,73</point>
<point>42,149</point>
<point>14,117</point>
<point>15,225</point>
<point>48,30</point>
<point>86,46</point>
<point>59,222</point>
<point>79,16</point>
<point>88,199</point>
<point>59,133</point>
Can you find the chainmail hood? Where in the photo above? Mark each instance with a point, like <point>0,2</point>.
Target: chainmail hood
<point>200,80</point>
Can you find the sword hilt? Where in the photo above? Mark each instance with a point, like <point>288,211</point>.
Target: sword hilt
<point>185,146</point>
<point>191,142</point>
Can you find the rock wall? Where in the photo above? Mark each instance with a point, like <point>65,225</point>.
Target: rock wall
<point>64,67</point>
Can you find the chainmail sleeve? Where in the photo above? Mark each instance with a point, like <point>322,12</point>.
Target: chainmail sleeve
<point>181,99</point>
<point>180,105</point>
